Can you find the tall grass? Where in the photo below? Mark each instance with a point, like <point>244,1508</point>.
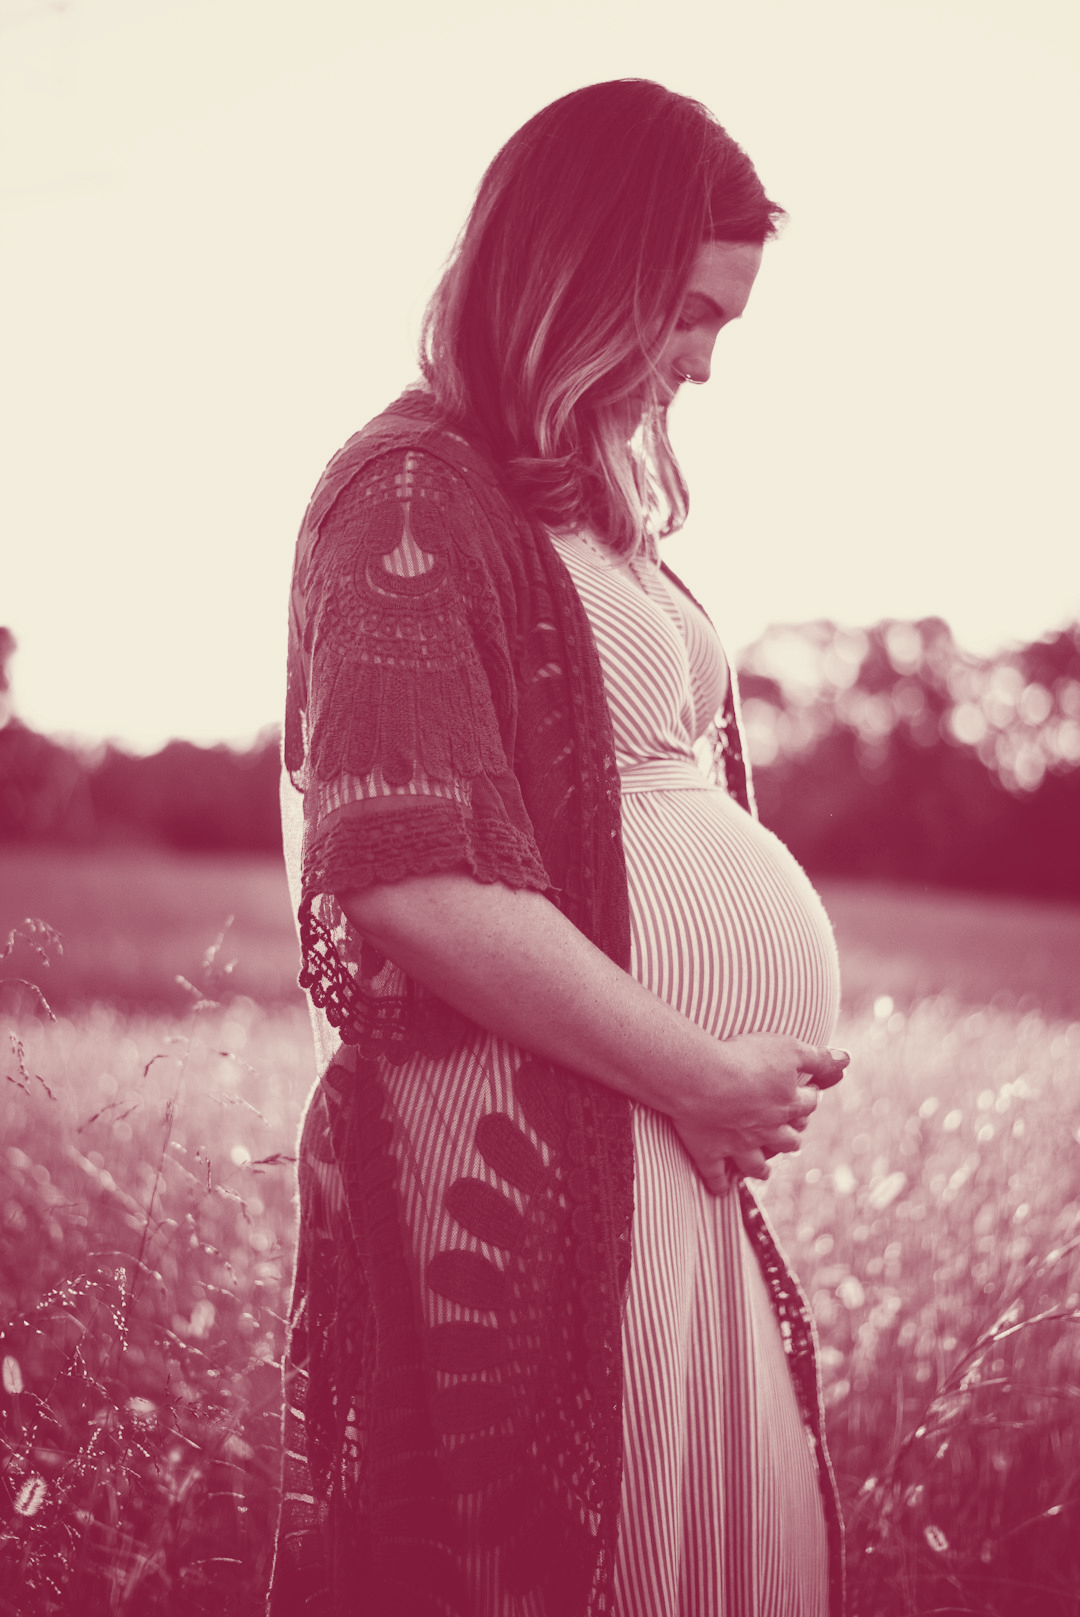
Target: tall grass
<point>933,1218</point>
<point>146,1221</point>
<point>146,1225</point>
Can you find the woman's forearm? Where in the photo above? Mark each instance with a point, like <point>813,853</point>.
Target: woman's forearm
<point>512,963</point>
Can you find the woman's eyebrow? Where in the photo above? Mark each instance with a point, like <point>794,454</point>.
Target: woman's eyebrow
<point>711,304</point>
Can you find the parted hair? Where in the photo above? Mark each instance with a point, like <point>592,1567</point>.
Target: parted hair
<point>543,335</point>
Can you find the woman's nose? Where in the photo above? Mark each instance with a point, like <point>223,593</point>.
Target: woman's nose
<point>695,361</point>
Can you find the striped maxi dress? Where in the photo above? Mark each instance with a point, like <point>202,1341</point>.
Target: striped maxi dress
<point>721,1512</point>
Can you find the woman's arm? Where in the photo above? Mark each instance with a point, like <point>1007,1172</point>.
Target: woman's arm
<point>512,963</point>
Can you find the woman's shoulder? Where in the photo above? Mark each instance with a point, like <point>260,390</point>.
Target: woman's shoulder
<point>411,489</point>
<point>410,430</point>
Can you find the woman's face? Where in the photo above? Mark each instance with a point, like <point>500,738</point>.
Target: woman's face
<point>720,285</point>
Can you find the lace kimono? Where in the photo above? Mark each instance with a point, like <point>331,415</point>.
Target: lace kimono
<point>453,1384</point>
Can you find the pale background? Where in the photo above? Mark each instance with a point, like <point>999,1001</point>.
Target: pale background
<point>222,219</point>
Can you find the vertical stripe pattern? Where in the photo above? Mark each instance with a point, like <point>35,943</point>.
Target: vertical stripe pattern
<point>721,1512</point>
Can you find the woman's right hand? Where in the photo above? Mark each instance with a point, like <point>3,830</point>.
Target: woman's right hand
<point>763,1102</point>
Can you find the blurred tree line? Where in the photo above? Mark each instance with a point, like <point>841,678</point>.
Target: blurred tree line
<point>184,797</point>
<point>886,752</point>
<point>890,752</point>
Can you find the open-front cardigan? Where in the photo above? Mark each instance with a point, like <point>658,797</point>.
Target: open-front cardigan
<point>439,651</point>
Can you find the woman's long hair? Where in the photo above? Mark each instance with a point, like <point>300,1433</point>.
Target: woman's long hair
<point>542,338</point>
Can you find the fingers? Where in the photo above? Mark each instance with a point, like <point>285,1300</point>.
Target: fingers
<point>718,1179</point>
<point>824,1067</point>
<point>770,1143</point>
<point>751,1164</point>
<point>807,1097</point>
<point>741,1158</point>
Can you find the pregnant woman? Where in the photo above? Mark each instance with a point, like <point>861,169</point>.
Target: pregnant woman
<point>545,1357</point>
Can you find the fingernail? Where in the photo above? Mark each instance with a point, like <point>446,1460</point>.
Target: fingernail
<point>841,1057</point>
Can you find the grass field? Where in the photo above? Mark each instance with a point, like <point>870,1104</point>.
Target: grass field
<point>131,919</point>
<point>146,1226</point>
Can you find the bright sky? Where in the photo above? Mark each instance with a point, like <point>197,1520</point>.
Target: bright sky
<point>222,220</point>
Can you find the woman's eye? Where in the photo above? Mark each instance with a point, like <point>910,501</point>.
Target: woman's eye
<point>685,323</point>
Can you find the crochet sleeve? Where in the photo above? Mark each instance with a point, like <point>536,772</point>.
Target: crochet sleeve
<point>411,706</point>
<point>402,708</point>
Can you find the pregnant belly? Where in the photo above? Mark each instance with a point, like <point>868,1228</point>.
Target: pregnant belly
<point>725,923</point>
